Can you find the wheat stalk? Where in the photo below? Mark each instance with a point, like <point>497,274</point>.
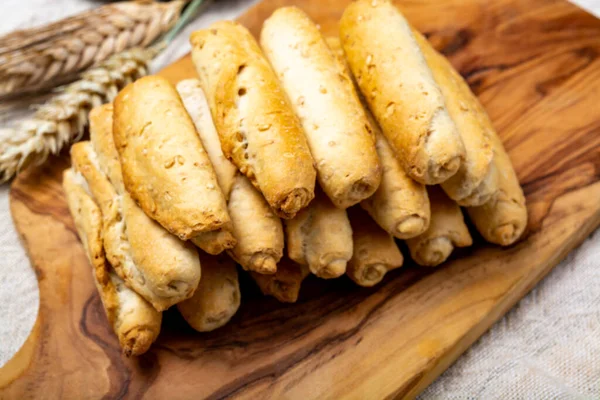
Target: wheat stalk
<point>34,59</point>
<point>64,117</point>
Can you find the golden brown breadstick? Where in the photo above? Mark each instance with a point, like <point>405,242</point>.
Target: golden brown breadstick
<point>258,129</point>
<point>406,101</point>
<point>285,284</point>
<point>166,266</point>
<point>135,321</point>
<point>157,265</point>
<point>503,219</point>
<point>165,168</point>
<point>196,104</point>
<point>217,298</point>
<point>337,130</point>
<point>153,262</point>
<point>260,246</point>
<point>257,229</point>
<point>320,237</point>
<point>375,252</point>
<point>400,204</point>
<point>474,183</point>
<point>447,230</point>
<point>101,137</point>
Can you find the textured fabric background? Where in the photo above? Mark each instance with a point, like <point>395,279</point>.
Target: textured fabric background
<point>547,347</point>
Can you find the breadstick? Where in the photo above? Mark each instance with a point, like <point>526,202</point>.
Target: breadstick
<point>169,267</point>
<point>337,130</point>
<point>165,168</point>
<point>260,246</point>
<point>320,237</point>
<point>285,284</point>
<point>474,183</point>
<point>400,90</point>
<point>375,252</point>
<point>135,322</point>
<point>196,104</point>
<point>154,263</point>
<point>447,230</point>
<point>103,144</point>
<point>400,204</point>
<point>503,219</point>
<point>258,129</point>
<point>258,231</point>
<point>151,261</point>
<point>217,298</point>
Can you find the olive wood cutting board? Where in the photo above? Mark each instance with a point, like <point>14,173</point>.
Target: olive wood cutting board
<point>535,66</point>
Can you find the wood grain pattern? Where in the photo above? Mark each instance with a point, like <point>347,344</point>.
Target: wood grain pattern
<point>534,64</point>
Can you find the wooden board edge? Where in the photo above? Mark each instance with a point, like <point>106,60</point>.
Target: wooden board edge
<point>21,360</point>
<point>513,296</point>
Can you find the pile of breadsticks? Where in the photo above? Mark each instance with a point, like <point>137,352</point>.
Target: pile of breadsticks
<point>229,164</point>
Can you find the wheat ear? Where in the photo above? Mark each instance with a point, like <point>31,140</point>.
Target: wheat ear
<point>64,117</point>
<point>43,57</point>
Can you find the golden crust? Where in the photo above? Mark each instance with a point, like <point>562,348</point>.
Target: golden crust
<point>338,133</point>
<point>138,324</point>
<point>400,90</point>
<point>151,261</point>
<point>258,231</point>
<point>375,252</point>
<point>258,130</point>
<point>196,104</point>
<point>170,267</point>
<point>503,219</point>
<point>447,230</point>
<point>217,241</point>
<point>88,222</point>
<point>135,321</point>
<point>474,183</point>
<point>165,168</point>
<point>217,298</point>
<point>83,160</point>
<point>320,237</point>
<point>399,205</point>
<point>101,137</point>
<point>285,284</point>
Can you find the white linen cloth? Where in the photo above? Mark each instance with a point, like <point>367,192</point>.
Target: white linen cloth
<point>547,347</point>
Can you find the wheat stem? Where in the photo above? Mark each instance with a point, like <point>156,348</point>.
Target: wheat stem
<point>188,13</point>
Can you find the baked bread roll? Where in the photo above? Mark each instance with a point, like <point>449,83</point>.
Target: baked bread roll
<point>257,230</point>
<point>320,237</point>
<point>400,204</point>
<point>165,168</point>
<point>135,322</point>
<point>217,298</point>
<point>196,104</point>
<point>129,235</point>
<point>401,92</point>
<point>338,133</point>
<point>474,183</point>
<point>447,230</point>
<point>503,219</point>
<point>285,284</point>
<point>157,265</point>
<point>258,129</point>
<point>375,252</point>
